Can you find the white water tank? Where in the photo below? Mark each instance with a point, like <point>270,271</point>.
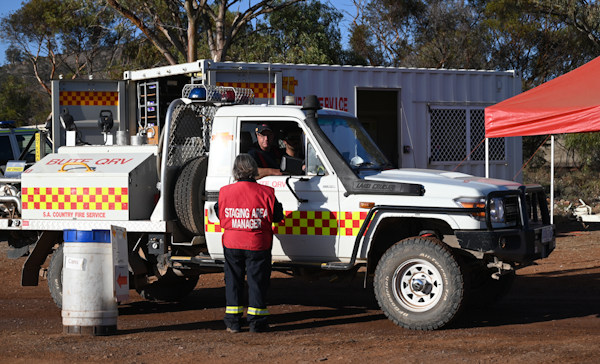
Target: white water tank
<point>89,305</point>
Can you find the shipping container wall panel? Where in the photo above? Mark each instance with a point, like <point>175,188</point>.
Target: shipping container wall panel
<point>457,96</point>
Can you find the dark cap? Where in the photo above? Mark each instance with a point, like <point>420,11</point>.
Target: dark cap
<point>263,127</point>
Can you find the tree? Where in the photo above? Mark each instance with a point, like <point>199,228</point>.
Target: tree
<point>587,147</point>
<point>532,42</point>
<point>19,102</point>
<point>173,26</point>
<point>530,39</point>
<point>69,37</point>
<point>300,33</point>
<point>421,33</point>
<point>363,50</point>
<point>582,15</point>
<point>387,26</point>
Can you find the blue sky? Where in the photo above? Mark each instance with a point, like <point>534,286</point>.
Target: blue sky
<point>346,7</point>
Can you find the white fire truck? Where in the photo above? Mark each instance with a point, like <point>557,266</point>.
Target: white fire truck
<point>433,240</point>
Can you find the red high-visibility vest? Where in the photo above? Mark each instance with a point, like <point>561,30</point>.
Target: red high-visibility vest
<point>246,215</point>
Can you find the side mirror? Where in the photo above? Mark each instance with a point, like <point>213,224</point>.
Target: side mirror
<point>292,166</point>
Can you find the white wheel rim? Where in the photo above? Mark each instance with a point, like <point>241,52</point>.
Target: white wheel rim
<point>417,285</point>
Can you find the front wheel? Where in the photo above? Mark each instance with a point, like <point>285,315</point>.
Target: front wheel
<point>419,284</point>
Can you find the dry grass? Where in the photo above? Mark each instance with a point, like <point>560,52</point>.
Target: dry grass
<point>570,185</point>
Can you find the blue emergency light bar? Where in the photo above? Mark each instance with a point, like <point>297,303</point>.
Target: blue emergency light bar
<point>7,124</point>
<point>218,94</point>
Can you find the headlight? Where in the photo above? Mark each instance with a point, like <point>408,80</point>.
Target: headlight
<point>497,209</point>
<point>470,203</point>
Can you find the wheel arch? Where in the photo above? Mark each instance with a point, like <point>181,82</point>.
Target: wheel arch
<point>389,229</point>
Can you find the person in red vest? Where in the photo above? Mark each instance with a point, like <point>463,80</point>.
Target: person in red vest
<point>246,211</point>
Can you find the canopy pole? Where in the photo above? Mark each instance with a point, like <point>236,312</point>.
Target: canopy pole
<point>487,158</point>
<point>552,180</point>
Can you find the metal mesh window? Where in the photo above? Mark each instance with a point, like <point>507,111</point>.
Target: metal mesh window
<point>448,135</point>
<point>497,145</point>
<point>190,133</point>
<point>458,132</point>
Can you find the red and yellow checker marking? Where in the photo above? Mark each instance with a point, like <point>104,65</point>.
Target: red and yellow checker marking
<point>351,221</point>
<point>289,84</point>
<point>89,98</point>
<point>316,223</point>
<point>262,90</point>
<point>75,198</point>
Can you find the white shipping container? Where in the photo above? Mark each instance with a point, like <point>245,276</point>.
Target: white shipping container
<point>421,118</point>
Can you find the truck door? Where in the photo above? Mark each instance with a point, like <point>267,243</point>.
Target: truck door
<point>309,231</point>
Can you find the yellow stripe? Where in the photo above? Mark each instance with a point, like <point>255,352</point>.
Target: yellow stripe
<point>257,311</point>
<point>234,310</point>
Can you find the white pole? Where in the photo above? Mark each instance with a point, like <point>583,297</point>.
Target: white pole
<point>552,180</point>
<point>487,158</point>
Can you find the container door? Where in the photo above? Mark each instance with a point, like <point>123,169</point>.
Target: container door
<point>377,110</point>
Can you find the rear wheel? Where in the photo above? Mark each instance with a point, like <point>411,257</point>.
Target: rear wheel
<point>419,285</point>
<point>189,195</point>
<point>55,276</point>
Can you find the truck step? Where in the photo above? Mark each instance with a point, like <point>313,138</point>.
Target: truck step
<point>201,261</point>
<point>337,266</point>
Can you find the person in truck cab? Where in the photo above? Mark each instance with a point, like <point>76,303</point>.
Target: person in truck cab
<point>293,154</point>
<point>246,211</point>
<point>265,152</point>
<point>292,141</point>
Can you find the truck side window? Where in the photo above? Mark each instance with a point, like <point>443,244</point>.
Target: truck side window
<point>6,152</point>
<point>314,166</point>
<point>23,140</point>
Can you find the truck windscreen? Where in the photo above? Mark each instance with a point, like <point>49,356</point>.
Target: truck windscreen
<point>352,141</point>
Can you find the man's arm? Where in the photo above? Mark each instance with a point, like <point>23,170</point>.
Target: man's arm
<point>277,211</point>
<point>263,172</point>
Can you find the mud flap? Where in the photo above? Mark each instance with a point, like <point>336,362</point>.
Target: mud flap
<point>43,247</point>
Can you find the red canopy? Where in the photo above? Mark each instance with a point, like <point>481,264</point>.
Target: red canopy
<point>567,104</point>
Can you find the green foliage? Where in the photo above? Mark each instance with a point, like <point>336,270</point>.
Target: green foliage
<point>533,37</point>
<point>300,33</point>
<point>72,38</point>
<point>533,151</point>
<point>19,103</point>
<point>587,147</point>
<point>533,42</point>
<point>363,48</point>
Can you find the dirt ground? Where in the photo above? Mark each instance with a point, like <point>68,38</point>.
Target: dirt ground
<point>552,315</point>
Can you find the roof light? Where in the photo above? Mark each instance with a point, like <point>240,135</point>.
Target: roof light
<point>217,94</point>
<point>198,94</point>
<point>228,95</point>
<point>7,124</point>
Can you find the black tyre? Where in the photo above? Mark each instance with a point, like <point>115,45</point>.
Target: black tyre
<point>189,195</point>
<point>55,276</point>
<point>419,284</point>
<point>170,288</point>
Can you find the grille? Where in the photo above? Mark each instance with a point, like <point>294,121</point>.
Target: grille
<point>511,210</point>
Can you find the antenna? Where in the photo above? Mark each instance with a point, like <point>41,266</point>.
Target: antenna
<point>269,83</point>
